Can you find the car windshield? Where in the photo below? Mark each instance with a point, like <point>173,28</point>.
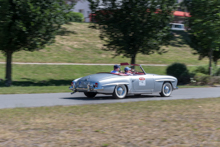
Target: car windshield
<point>135,70</point>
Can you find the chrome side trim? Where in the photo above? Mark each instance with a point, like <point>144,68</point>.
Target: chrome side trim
<point>161,80</point>
<point>116,84</point>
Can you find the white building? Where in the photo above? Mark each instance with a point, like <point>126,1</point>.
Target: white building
<point>179,1</point>
<point>82,6</point>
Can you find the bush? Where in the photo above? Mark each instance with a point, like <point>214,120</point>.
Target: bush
<point>202,79</point>
<point>205,70</point>
<point>179,71</point>
<point>201,69</point>
<point>215,80</point>
<point>216,72</point>
<point>75,17</point>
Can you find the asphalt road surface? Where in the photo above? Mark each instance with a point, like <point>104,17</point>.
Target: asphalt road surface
<point>55,99</point>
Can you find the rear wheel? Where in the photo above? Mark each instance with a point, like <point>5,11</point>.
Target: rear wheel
<point>166,89</point>
<point>120,92</point>
<point>90,94</point>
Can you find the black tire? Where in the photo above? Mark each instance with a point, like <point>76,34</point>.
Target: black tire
<point>90,94</point>
<point>120,92</point>
<point>166,90</point>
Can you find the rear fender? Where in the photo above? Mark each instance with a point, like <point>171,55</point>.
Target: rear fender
<point>109,88</point>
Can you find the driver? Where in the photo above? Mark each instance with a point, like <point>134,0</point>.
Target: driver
<point>127,71</point>
<point>116,69</point>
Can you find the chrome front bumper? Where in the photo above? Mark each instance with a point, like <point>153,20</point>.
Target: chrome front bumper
<point>175,88</point>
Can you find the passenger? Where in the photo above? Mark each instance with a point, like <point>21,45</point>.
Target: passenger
<point>116,69</point>
<point>128,71</point>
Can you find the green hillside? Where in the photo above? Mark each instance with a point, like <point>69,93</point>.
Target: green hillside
<point>76,43</point>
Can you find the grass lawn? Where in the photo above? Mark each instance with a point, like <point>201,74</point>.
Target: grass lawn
<point>76,43</point>
<point>55,78</point>
<point>178,123</point>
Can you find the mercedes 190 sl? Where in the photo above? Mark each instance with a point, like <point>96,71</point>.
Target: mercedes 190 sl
<point>119,85</point>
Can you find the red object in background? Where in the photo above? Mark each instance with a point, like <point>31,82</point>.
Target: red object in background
<point>181,13</point>
<point>175,13</point>
<point>91,17</point>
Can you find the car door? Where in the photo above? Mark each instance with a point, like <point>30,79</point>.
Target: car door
<point>143,83</point>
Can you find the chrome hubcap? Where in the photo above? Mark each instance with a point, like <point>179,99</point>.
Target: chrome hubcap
<point>166,89</point>
<point>120,91</point>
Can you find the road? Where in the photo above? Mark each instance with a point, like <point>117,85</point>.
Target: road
<point>54,99</point>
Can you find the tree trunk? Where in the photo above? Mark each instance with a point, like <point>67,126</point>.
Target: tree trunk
<point>8,79</point>
<point>133,60</point>
<point>210,62</point>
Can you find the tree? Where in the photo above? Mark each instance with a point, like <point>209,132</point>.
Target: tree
<point>29,25</point>
<point>204,27</point>
<point>129,27</point>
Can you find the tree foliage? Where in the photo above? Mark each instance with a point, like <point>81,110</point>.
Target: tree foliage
<point>204,28</point>
<point>29,25</point>
<point>130,27</point>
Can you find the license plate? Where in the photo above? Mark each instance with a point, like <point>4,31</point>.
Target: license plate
<point>83,84</point>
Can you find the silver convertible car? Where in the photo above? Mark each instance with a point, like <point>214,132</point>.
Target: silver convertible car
<point>120,85</point>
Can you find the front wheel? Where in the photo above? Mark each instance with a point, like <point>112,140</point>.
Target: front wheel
<point>90,94</point>
<point>120,92</point>
<point>166,90</point>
